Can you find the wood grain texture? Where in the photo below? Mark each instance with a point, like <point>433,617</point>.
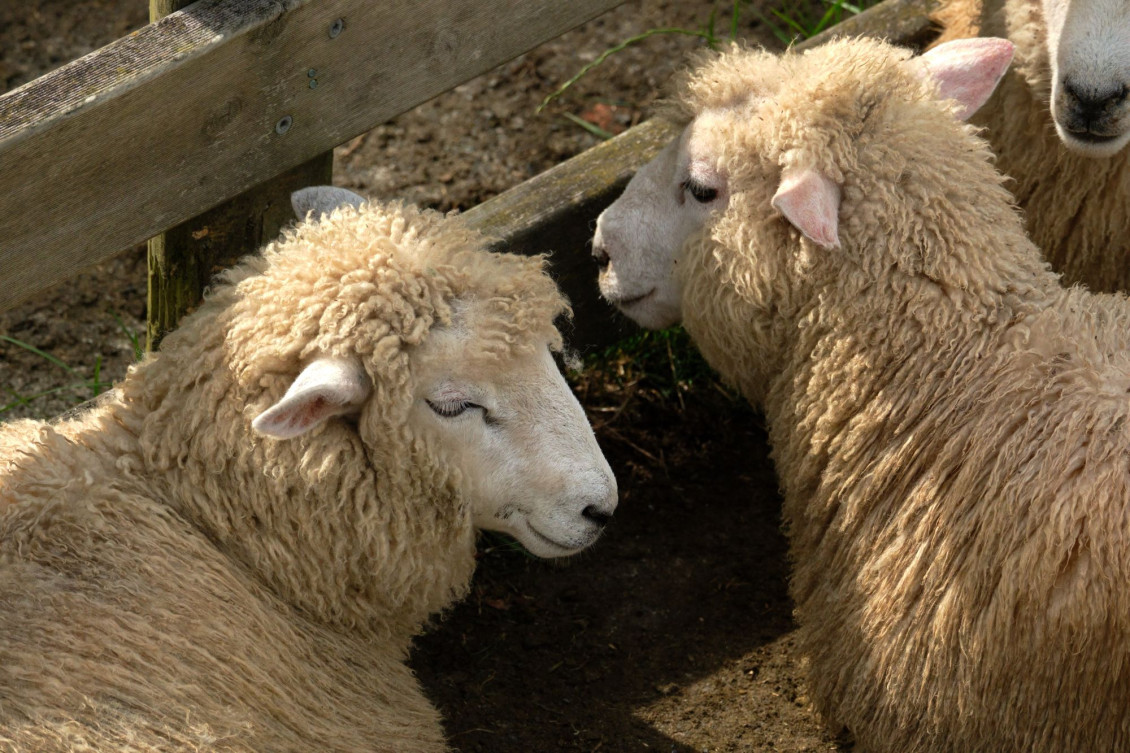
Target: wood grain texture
<point>183,259</point>
<point>184,114</point>
<point>556,211</point>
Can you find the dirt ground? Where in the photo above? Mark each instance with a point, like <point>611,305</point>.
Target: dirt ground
<point>674,632</point>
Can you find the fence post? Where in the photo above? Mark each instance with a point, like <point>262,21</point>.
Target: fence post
<point>183,259</point>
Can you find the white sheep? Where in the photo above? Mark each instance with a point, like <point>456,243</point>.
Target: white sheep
<point>1059,125</point>
<point>950,426</point>
<point>234,549</point>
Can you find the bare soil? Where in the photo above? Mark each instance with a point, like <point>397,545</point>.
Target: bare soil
<point>674,632</point>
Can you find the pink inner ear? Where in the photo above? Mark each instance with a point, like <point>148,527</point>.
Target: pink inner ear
<point>811,203</point>
<point>967,70</point>
<point>327,387</point>
<point>310,413</point>
<point>295,416</point>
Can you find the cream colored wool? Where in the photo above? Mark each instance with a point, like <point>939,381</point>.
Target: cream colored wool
<point>1077,208</point>
<point>949,424</point>
<point>169,581</point>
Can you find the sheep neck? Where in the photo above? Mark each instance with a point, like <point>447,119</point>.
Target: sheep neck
<point>871,353</point>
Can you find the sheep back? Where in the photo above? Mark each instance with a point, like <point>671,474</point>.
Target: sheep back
<point>124,628</point>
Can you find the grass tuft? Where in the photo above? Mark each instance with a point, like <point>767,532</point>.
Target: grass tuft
<point>796,20</point>
<point>84,388</point>
<point>791,21</point>
<point>651,370</point>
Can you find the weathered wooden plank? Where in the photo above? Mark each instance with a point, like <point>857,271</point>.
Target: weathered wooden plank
<point>904,22</point>
<point>557,210</point>
<point>183,259</point>
<point>214,99</point>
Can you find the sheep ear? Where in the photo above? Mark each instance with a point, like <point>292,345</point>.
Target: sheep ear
<point>327,387</point>
<point>811,203</point>
<point>321,200</point>
<point>966,70</point>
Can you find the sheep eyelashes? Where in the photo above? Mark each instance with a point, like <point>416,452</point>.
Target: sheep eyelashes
<point>234,549</point>
<point>947,421</point>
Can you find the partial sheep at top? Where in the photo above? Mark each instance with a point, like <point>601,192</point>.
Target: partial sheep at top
<point>234,549</point>
<point>949,424</point>
<point>1059,125</point>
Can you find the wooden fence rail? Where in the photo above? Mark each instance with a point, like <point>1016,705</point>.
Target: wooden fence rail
<point>214,99</point>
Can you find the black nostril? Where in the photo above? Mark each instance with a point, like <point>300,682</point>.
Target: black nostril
<point>601,256</point>
<point>1089,103</point>
<point>596,515</point>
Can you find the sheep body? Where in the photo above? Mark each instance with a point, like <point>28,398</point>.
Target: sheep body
<point>950,426</point>
<point>1077,206</point>
<point>125,629</point>
<point>171,581</point>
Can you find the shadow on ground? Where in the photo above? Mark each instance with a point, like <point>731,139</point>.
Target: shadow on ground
<point>673,630</point>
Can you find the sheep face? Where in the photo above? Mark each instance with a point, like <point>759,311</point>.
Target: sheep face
<point>1088,47</point>
<point>528,462</point>
<point>504,426</point>
<point>769,139</point>
<point>639,238</point>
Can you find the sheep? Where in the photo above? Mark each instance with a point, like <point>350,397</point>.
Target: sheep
<point>1059,125</point>
<point>949,424</point>
<point>234,549</point>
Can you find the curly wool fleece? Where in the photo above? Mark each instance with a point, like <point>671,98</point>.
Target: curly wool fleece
<point>951,427</point>
<point>171,581</point>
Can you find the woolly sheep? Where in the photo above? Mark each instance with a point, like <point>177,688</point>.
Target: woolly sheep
<point>171,579</point>
<point>950,425</point>
<point>1059,125</point>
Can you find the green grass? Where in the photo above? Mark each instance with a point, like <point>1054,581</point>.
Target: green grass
<point>665,358</point>
<point>82,387</point>
<point>790,21</point>
<point>648,371</point>
<point>796,20</point>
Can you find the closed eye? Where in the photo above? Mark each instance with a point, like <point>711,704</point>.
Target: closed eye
<point>457,408</point>
<point>451,409</point>
<point>702,194</point>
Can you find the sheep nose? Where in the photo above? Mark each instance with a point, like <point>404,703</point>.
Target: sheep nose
<point>598,253</point>
<point>1088,110</point>
<point>597,515</point>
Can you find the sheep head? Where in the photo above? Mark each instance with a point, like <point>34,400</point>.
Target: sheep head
<point>1088,57</point>
<point>473,381</point>
<point>774,132</point>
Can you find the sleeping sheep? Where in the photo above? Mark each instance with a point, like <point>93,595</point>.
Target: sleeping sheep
<point>950,425</point>
<point>234,550</point>
<point>1059,125</point>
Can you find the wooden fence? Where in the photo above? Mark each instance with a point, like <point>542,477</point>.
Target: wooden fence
<point>215,101</point>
